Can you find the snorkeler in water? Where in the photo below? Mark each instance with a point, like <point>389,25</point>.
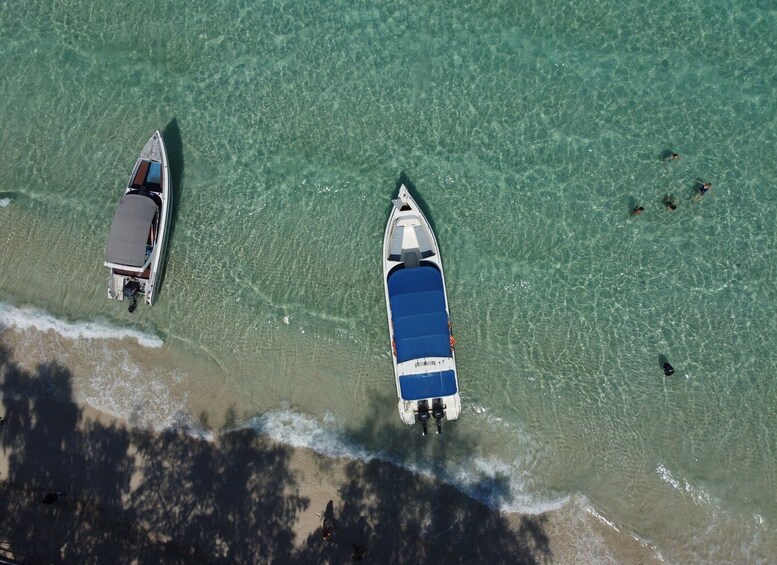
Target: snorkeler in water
<point>702,190</point>
<point>670,202</point>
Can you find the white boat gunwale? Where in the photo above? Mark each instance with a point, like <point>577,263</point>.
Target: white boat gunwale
<point>409,231</point>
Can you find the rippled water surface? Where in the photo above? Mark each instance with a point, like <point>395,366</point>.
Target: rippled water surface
<point>529,131</point>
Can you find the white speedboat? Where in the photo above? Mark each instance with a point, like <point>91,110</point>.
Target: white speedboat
<point>136,245</point>
<point>419,325</point>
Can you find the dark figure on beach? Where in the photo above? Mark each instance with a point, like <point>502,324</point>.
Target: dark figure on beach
<point>668,369</point>
<point>52,497</point>
<point>328,524</point>
<point>703,189</point>
<point>670,202</point>
<point>638,210</point>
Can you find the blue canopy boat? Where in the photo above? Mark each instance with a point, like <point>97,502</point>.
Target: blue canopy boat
<point>419,323</point>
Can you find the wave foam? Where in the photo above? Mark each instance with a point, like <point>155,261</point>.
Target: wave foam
<point>697,493</point>
<point>122,388</point>
<point>31,318</point>
<point>4,202</point>
<point>494,483</point>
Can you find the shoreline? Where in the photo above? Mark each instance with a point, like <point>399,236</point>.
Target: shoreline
<point>171,497</point>
<point>242,495</point>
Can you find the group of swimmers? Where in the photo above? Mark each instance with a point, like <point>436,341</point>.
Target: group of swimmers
<point>669,201</point>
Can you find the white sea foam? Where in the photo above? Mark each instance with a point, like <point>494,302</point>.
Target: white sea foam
<point>146,398</point>
<point>4,202</point>
<point>696,492</point>
<point>31,318</point>
<point>596,514</point>
<point>123,390</point>
<point>497,484</point>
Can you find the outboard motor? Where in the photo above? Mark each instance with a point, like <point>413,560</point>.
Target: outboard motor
<point>438,412</point>
<point>131,290</point>
<point>423,414</point>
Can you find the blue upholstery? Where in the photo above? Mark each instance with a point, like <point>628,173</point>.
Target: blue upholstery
<point>154,173</point>
<point>428,385</point>
<point>417,303</point>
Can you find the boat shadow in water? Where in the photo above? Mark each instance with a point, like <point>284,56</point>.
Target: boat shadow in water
<point>172,498</point>
<point>174,146</point>
<point>404,179</point>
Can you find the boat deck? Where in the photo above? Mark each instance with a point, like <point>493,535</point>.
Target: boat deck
<point>144,275</point>
<point>410,235</point>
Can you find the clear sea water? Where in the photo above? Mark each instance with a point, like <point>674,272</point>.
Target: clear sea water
<point>529,131</point>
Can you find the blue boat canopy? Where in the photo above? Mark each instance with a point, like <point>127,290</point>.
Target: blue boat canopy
<point>417,301</point>
<point>428,385</point>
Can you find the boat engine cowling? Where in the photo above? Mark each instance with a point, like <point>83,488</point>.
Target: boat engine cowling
<point>131,290</point>
<point>423,414</point>
<point>438,413</point>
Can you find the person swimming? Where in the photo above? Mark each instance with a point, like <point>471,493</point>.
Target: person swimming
<point>702,190</point>
<point>637,210</point>
<point>670,202</point>
<point>668,369</point>
<point>671,157</point>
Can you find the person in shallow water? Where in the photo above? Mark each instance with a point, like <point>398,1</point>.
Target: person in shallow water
<point>668,369</point>
<point>637,210</point>
<point>703,189</point>
<point>670,203</point>
<point>671,157</point>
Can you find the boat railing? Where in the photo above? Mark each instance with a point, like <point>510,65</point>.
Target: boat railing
<point>425,363</point>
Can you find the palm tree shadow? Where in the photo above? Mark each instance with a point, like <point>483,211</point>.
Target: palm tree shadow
<point>133,496</point>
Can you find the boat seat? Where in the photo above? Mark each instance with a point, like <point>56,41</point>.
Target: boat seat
<point>424,243</point>
<point>395,252</point>
<point>154,174</point>
<point>411,259</point>
<point>140,176</point>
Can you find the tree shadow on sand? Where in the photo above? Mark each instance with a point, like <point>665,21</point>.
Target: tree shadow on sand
<point>131,496</point>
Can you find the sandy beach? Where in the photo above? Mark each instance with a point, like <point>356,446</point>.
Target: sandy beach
<point>134,496</point>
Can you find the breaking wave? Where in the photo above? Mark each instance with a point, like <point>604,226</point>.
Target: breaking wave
<point>32,318</point>
<point>498,485</point>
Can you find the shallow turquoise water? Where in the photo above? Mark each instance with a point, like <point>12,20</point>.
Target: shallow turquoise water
<point>529,131</point>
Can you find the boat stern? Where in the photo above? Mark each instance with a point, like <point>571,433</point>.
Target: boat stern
<point>428,390</point>
<point>437,409</point>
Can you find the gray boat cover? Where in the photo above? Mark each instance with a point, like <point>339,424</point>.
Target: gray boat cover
<point>129,230</point>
